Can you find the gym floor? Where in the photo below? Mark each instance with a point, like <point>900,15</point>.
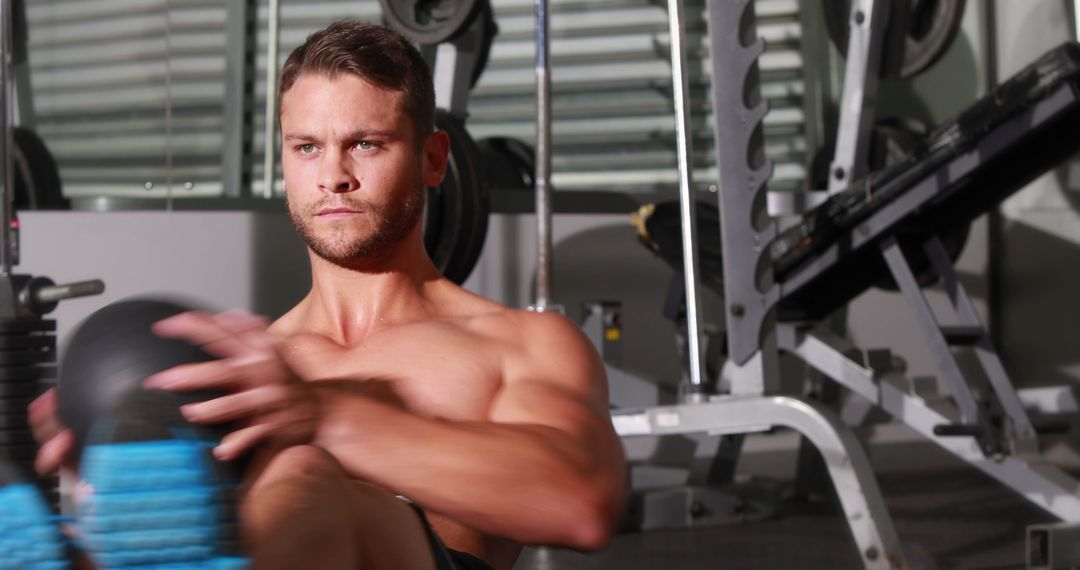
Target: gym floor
<point>961,518</point>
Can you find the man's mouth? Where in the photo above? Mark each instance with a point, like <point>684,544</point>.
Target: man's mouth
<point>336,213</point>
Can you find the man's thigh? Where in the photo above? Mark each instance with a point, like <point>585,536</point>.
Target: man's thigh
<point>301,507</point>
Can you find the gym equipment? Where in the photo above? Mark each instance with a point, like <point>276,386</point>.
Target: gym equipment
<point>29,537</point>
<point>508,163</point>
<point>431,21</point>
<point>1013,147</point>
<point>37,178</point>
<point>923,30</point>
<point>456,218</point>
<point>468,25</point>
<point>159,495</point>
<point>775,284</point>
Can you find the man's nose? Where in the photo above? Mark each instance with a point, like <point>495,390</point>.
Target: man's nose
<point>335,174</point>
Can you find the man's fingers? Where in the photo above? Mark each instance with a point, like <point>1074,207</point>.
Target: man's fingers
<point>204,331</point>
<point>248,403</point>
<point>215,374</point>
<point>41,415</point>
<point>44,404</point>
<point>237,442</point>
<point>54,452</point>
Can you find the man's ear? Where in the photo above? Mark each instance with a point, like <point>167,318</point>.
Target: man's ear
<point>436,157</point>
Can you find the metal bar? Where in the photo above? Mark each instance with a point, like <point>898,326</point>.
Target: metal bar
<point>269,139</point>
<point>1076,19</point>
<point>826,350</point>
<point>687,205</point>
<point>239,43</point>
<point>850,470</point>
<point>542,179</point>
<point>7,192</point>
<point>1042,484</point>
<point>168,110</point>
<point>743,169</point>
<point>866,22</point>
<point>1023,434</point>
<point>928,326</point>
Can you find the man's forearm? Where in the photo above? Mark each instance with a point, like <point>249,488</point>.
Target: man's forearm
<point>529,483</point>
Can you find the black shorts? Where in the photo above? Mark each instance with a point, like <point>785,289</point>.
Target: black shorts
<point>448,558</point>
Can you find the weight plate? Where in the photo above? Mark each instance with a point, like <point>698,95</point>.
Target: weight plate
<point>456,218</point>
<point>13,421</point>
<point>26,373</point>
<point>429,22</point>
<point>23,358</point>
<point>508,163</point>
<point>930,28</point>
<point>18,437</point>
<point>19,342</point>
<point>9,326</point>
<point>19,390</point>
<point>487,39</point>
<point>37,179</point>
<point>19,453</point>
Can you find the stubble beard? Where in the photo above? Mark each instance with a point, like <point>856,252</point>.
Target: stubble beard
<point>342,243</point>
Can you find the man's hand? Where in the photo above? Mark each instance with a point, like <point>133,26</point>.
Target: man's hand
<point>57,442</point>
<point>266,397</point>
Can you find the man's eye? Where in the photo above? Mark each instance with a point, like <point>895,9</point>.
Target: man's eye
<point>306,148</point>
<point>365,145</point>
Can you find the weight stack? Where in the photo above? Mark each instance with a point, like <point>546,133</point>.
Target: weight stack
<point>27,368</point>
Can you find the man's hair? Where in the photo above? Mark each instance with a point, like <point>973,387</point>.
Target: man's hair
<point>380,56</point>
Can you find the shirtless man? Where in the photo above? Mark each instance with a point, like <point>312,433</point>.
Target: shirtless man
<point>387,380</point>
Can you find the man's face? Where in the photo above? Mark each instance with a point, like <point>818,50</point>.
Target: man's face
<point>354,173</point>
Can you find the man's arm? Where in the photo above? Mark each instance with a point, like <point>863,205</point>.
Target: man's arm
<point>548,467</point>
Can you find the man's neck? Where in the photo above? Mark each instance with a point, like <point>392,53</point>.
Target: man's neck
<point>349,302</point>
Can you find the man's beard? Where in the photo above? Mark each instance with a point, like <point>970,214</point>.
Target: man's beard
<point>341,244</point>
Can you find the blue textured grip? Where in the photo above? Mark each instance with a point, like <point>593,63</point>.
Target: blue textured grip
<point>154,505</point>
<point>29,536</point>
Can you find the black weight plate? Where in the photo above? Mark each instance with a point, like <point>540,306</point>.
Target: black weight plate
<point>20,437</point>
<point>19,390</point>
<point>21,453</point>
<point>24,357</point>
<point>490,30</point>
<point>930,28</point>
<point>13,326</point>
<point>17,342</point>
<point>429,22</point>
<point>508,163</point>
<point>26,373</point>
<point>457,216</point>
<point>13,421</point>
<point>37,178</point>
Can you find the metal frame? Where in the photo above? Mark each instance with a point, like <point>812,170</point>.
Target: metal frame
<point>866,39</point>
<point>1040,483</point>
<point>750,297</point>
<point>860,497</point>
<point>239,92</point>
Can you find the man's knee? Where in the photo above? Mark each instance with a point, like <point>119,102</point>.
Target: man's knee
<point>300,464</point>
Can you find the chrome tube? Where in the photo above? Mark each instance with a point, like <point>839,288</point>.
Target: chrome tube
<point>7,192</point>
<point>270,129</point>
<point>542,177</point>
<point>686,196</point>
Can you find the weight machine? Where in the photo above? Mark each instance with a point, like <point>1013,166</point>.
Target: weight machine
<point>777,286</point>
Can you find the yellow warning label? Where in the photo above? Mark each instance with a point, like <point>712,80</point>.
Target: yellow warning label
<point>612,334</point>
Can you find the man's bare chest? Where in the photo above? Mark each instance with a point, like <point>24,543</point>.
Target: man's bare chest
<point>452,376</point>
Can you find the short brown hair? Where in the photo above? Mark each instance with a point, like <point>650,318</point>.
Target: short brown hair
<point>373,53</point>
